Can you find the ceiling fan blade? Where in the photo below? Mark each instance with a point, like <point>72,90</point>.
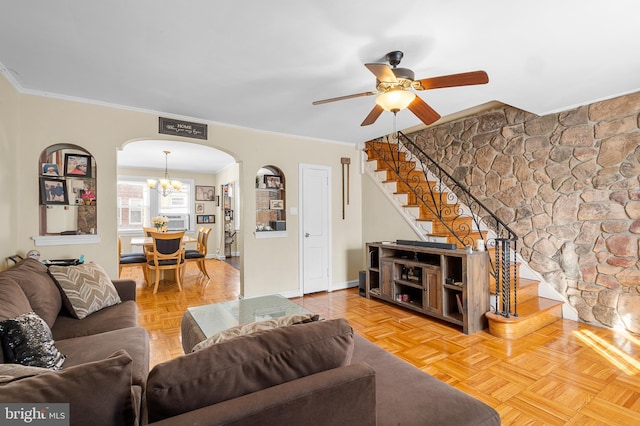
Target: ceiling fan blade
<point>373,115</point>
<point>382,72</point>
<point>341,98</point>
<point>423,111</point>
<point>453,80</point>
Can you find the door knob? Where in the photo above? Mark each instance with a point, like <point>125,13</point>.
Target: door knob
<point>306,234</point>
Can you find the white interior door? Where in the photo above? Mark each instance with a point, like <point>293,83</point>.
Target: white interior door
<point>314,228</point>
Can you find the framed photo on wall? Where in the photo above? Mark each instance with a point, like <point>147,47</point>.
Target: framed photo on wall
<point>272,181</point>
<point>53,191</point>
<point>276,204</point>
<point>205,218</point>
<point>50,169</point>
<point>199,208</point>
<point>205,193</point>
<point>77,165</point>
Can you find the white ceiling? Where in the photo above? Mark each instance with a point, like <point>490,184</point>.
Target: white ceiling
<point>260,64</point>
<point>186,157</point>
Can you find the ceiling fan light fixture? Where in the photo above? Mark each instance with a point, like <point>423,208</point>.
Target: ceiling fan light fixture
<point>395,100</point>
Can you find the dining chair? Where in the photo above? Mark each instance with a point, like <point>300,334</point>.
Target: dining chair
<point>131,259</point>
<point>147,230</point>
<point>167,253</point>
<point>199,255</point>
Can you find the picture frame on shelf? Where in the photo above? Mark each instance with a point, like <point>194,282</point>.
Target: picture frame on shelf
<point>53,191</point>
<point>205,193</point>
<point>199,208</point>
<point>272,181</point>
<point>50,169</point>
<point>205,218</point>
<point>228,215</point>
<point>78,165</point>
<point>276,204</point>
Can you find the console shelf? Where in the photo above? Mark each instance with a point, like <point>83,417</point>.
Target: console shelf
<point>452,285</point>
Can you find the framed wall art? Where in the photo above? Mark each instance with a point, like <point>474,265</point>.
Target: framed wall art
<point>77,165</point>
<point>276,204</point>
<point>199,208</point>
<point>205,218</point>
<point>272,181</point>
<point>50,169</point>
<point>53,191</point>
<point>205,193</point>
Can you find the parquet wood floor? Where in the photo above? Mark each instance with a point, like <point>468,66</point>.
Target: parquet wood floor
<point>566,373</point>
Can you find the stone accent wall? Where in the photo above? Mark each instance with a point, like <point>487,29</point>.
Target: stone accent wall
<point>568,185</point>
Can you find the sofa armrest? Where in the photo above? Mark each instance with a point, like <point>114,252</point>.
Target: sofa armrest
<point>340,396</point>
<point>126,289</point>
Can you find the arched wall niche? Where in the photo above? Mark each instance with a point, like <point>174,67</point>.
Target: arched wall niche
<point>68,191</point>
<point>271,216</point>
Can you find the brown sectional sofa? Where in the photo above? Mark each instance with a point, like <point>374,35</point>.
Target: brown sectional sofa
<point>319,373</point>
<point>370,387</point>
<point>87,343</point>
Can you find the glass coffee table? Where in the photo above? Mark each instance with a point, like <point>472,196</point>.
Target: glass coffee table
<point>201,322</point>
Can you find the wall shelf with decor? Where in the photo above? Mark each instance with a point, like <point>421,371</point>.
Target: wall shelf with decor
<point>451,285</point>
<point>67,196</point>
<point>270,203</point>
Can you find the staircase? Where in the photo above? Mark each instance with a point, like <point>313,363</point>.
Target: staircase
<point>430,201</point>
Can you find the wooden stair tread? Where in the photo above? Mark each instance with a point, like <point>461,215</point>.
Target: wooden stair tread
<point>523,283</point>
<point>527,310</point>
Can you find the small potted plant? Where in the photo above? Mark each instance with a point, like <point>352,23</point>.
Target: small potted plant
<point>87,196</point>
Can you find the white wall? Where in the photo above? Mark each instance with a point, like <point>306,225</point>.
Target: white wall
<point>8,171</point>
<point>31,123</point>
<point>387,224</point>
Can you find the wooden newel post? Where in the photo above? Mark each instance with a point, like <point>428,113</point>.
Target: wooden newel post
<point>345,161</point>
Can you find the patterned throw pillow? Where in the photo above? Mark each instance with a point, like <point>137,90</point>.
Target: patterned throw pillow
<point>254,327</point>
<point>86,288</point>
<point>26,339</point>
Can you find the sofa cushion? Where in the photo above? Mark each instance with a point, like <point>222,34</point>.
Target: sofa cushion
<point>41,291</point>
<point>407,395</point>
<point>115,317</point>
<point>254,327</point>
<point>86,288</point>
<point>13,301</point>
<point>98,393</point>
<point>9,372</point>
<point>134,340</point>
<point>247,364</point>
<point>26,339</point>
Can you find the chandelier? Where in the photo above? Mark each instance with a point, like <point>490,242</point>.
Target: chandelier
<point>165,185</point>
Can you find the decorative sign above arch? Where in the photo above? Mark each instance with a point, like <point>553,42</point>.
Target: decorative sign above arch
<point>186,129</point>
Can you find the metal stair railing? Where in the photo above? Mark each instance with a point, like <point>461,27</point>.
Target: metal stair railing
<point>453,205</point>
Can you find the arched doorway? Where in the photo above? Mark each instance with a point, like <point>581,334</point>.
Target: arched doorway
<point>200,168</point>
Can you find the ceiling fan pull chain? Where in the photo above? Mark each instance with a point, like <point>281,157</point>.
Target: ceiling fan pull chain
<point>395,131</point>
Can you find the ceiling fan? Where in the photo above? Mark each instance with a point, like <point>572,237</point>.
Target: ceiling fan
<point>393,87</point>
